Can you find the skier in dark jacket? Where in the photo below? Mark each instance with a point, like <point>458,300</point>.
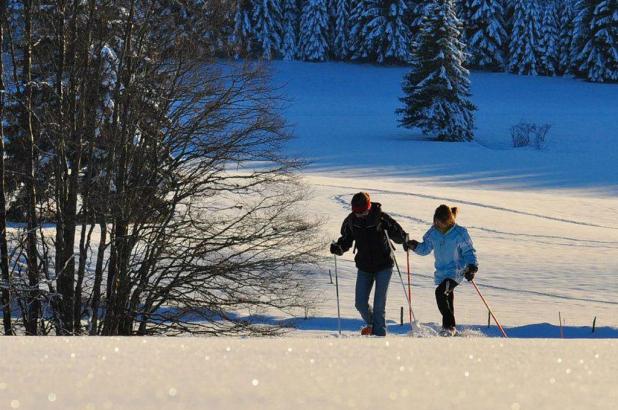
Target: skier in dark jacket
<point>367,227</point>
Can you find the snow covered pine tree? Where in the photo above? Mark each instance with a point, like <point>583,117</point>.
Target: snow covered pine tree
<point>314,31</point>
<point>598,55</point>
<point>524,51</point>
<point>485,33</point>
<point>565,50</point>
<point>381,30</point>
<point>341,29</point>
<point>267,26</point>
<point>437,87</point>
<point>581,34</point>
<point>358,49</point>
<point>243,32</point>
<point>289,49</point>
<point>550,39</point>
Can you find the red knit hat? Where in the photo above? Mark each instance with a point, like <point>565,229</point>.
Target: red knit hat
<point>361,202</point>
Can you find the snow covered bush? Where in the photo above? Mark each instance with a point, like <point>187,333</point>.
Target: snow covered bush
<point>526,134</point>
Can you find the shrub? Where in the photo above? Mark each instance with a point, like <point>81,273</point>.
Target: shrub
<point>525,134</point>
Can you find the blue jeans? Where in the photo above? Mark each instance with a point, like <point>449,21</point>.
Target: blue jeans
<point>376,315</point>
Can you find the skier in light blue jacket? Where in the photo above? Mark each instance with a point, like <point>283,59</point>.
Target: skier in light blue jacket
<point>455,259</point>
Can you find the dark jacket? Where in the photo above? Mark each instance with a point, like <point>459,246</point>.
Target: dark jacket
<point>373,252</point>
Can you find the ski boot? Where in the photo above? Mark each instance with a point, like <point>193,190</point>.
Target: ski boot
<point>367,331</point>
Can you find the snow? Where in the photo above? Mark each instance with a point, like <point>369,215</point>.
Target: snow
<point>543,221</point>
<point>327,373</point>
<point>343,117</point>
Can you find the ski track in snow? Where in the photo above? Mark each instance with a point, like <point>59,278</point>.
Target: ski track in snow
<point>599,244</point>
<point>340,199</point>
<point>477,204</point>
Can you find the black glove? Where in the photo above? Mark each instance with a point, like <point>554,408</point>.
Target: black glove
<point>410,245</point>
<point>470,271</point>
<point>335,249</point>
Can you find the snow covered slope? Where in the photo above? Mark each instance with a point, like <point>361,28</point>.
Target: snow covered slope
<point>544,222</point>
<point>305,373</point>
<point>343,117</point>
<point>532,265</point>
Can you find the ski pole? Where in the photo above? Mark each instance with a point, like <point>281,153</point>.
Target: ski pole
<point>400,277</point>
<point>337,288</point>
<point>409,280</point>
<point>488,308</point>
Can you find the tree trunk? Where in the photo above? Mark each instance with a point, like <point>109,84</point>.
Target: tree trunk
<point>32,220</point>
<point>84,244</point>
<point>4,253</point>
<point>98,278</point>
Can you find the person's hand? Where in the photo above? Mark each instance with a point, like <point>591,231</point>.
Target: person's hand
<point>410,245</point>
<point>335,249</point>
<point>470,272</point>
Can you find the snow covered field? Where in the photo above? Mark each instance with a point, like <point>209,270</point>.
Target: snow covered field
<point>544,222</point>
<point>326,373</point>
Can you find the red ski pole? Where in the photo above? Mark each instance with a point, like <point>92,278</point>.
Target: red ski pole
<point>409,286</point>
<point>488,308</point>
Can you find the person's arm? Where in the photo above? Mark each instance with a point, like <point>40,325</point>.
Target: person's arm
<point>424,248</point>
<point>346,239</point>
<point>468,253</point>
<point>395,231</point>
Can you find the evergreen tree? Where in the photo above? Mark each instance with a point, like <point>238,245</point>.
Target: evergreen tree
<point>289,49</point>
<point>550,44</point>
<point>581,35</point>
<point>509,13</point>
<point>381,31</point>
<point>464,13</point>
<point>314,31</point>
<point>267,26</point>
<point>437,87</point>
<point>415,20</point>
<point>485,34</point>
<point>242,36</point>
<point>524,48</point>
<point>358,21</point>
<point>341,29</point>
<point>566,20</point>
<point>599,56</point>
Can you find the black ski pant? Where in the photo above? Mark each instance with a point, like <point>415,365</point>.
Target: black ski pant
<point>445,298</point>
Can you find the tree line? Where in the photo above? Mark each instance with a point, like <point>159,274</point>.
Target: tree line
<point>531,37</point>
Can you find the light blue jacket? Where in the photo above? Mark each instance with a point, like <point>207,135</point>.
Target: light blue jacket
<point>453,250</point>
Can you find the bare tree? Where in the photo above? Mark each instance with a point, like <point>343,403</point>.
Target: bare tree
<point>169,162</point>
